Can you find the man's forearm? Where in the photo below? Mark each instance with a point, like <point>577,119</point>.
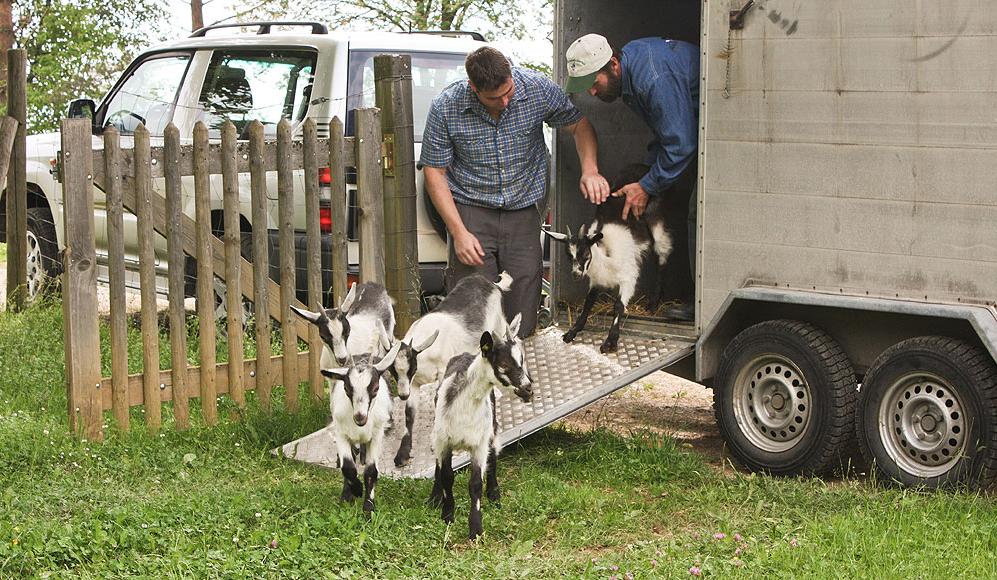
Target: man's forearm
<point>442,198</point>
<point>587,146</point>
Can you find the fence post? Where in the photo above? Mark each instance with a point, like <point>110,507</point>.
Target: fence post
<point>261,264</point>
<point>116,276</point>
<point>285,215</point>
<point>393,95</point>
<point>314,253</point>
<point>175,275</point>
<point>370,195</point>
<point>80,295</point>
<point>145,212</point>
<point>17,184</point>
<point>205,275</point>
<point>233,264</point>
<point>337,170</point>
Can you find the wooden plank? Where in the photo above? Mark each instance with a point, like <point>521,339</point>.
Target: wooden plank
<point>233,262</point>
<point>147,275</point>
<point>8,134</point>
<point>186,162</point>
<point>314,253</point>
<point>174,243</point>
<point>338,150</point>
<point>393,90</point>
<point>285,213</point>
<point>370,195</point>
<point>250,380</point>
<point>205,277</point>
<point>116,278</point>
<point>261,262</point>
<point>17,181</point>
<point>80,295</point>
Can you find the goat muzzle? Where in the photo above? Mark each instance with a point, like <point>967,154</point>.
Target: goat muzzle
<point>359,419</point>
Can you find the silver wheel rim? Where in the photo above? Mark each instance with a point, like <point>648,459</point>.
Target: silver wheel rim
<point>36,273</point>
<point>772,403</point>
<point>923,424</point>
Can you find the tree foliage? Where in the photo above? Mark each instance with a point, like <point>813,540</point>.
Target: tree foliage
<point>77,48</point>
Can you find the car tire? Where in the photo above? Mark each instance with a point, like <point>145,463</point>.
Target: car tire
<point>928,414</point>
<point>43,265</point>
<point>785,399</point>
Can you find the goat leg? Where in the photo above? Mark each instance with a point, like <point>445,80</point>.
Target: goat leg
<point>352,488</point>
<point>583,317</point>
<point>405,449</point>
<point>436,495</point>
<point>612,341</point>
<point>492,487</point>
<point>474,490</point>
<point>446,477</point>
<point>370,481</point>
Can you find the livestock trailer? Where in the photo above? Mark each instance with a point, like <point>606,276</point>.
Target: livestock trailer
<point>845,271</point>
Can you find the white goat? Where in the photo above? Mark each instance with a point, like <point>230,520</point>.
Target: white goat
<point>361,411</point>
<point>610,252</point>
<point>352,328</point>
<point>454,327</point>
<point>466,418</point>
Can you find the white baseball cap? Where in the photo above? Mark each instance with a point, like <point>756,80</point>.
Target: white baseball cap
<point>585,57</point>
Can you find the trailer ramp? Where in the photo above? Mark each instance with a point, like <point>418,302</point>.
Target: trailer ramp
<point>566,377</point>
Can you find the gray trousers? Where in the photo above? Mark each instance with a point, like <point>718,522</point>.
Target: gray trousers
<point>511,242</point>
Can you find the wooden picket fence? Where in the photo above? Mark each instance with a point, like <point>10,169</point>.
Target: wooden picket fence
<point>382,157</point>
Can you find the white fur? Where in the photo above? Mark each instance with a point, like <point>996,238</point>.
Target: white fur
<point>622,267</point>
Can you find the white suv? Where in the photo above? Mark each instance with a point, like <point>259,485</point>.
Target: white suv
<point>219,74</point>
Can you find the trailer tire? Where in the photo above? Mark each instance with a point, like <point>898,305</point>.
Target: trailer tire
<point>928,414</point>
<point>785,399</point>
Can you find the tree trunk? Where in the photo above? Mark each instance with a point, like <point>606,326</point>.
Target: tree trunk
<point>196,15</point>
<point>6,43</point>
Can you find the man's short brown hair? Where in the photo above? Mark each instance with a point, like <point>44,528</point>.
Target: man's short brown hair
<point>487,68</point>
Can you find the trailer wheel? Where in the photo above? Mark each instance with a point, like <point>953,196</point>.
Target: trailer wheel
<point>928,414</point>
<point>785,399</point>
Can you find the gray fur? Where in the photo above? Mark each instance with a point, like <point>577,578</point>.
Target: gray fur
<point>372,298</point>
<point>458,366</point>
<point>468,298</point>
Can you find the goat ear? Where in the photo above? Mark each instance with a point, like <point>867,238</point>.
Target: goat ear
<point>487,342</point>
<point>308,315</point>
<point>350,297</point>
<point>338,374</point>
<point>426,343</point>
<point>596,237</point>
<point>556,236</point>
<point>514,325</point>
<point>388,359</point>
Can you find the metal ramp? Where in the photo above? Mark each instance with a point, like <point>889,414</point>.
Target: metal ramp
<point>566,378</point>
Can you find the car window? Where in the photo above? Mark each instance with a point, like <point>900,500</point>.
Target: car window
<point>148,95</point>
<point>431,73</point>
<point>246,85</point>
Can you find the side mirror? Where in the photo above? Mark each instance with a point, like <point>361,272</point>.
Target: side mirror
<point>82,109</point>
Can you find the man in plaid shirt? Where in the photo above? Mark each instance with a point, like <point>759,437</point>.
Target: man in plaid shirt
<point>486,169</point>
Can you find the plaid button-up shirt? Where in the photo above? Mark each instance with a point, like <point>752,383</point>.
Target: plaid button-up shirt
<point>496,164</point>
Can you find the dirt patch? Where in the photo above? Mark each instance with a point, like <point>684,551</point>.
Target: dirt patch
<point>660,403</point>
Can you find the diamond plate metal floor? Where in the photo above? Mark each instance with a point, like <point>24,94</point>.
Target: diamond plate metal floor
<point>566,378</point>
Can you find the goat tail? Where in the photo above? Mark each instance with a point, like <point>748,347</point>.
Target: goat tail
<point>504,282</point>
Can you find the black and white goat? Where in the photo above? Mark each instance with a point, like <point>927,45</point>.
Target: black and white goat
<point>361,412</point>
<point>466,418</point>
<point>352,328</point>
<point>610,252</point>
<point>454,327</point>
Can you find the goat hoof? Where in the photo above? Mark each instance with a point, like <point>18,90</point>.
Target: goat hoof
<point>494,495</point>
<point>608,347</point>
<point>368,508</point>
<point>448,518</point>
<point>475,534</point>
<point>347,496</point>
<point>569,336</point>
<point>402,460</point>
<point>435,501</point>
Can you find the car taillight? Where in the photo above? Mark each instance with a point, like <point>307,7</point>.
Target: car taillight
<point>325,219</point>
<point>324,176</point>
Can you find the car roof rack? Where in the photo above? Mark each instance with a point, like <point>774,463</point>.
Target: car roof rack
<point>469,33</point>
<point>262,27</point>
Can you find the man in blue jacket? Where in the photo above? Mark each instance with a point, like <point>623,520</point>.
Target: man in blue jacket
<point>658,79</point>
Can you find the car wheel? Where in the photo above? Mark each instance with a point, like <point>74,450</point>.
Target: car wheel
<point>785,398</point>
<point>928,414</point>
<point>42,254</point>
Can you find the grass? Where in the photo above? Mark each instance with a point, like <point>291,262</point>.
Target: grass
<point>212,502</point>
<point>3,253</point>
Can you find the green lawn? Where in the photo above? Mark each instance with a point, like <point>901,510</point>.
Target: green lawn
<point>212,502</point>
<point>3,253</point>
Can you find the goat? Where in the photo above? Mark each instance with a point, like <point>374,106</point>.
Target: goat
<point>361,411</point>
<point>610,252</point>
<point>454,327</point>
<point>466,418</point>
<point>349,329</point>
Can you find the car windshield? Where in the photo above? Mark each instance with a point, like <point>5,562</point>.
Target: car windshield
<point>148,95</point>
<point>431,73</point>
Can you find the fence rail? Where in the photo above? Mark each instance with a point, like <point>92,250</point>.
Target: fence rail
<point>126,176</point>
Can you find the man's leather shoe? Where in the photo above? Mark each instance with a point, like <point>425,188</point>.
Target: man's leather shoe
<point>680,313</point>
